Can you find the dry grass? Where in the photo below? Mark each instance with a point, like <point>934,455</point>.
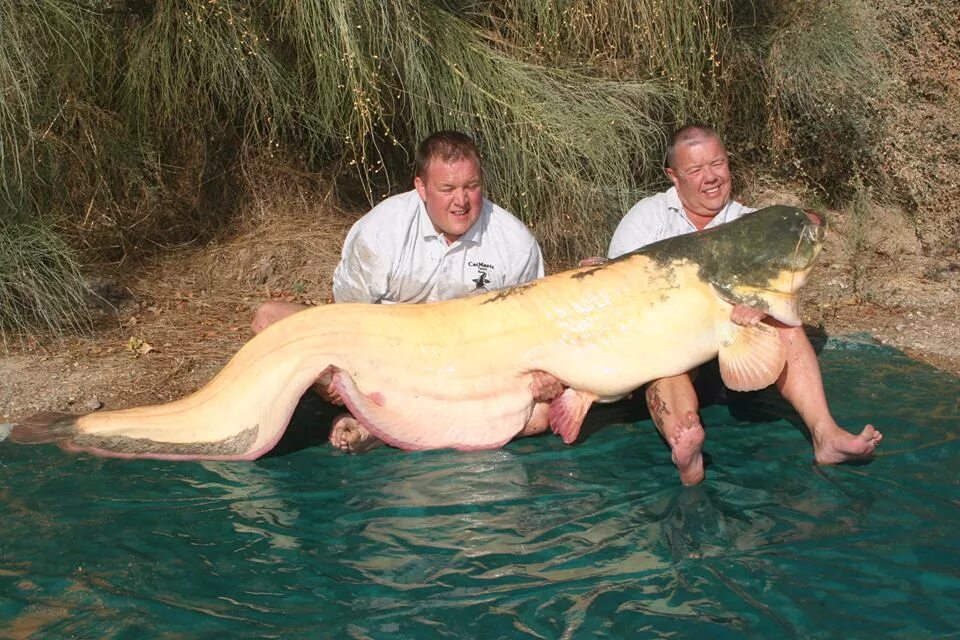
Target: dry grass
<point>921,152</point>
<point>192,306</point>
<point>286,242</point>
<point>283,255</point>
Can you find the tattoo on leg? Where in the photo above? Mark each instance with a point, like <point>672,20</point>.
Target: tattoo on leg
<point>658,408</point>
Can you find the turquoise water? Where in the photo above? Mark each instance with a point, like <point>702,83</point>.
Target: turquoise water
<point>538,540</point>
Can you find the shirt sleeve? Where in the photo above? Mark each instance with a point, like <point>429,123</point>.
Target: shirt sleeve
<point>532,268</point>
<point>363,273</point>
<point>636,230</point>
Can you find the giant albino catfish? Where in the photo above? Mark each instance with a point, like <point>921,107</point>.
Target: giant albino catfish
<point>468,373</point>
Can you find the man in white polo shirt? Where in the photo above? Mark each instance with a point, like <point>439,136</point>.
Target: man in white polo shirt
<point>441,240</point>
<point>701,199</point>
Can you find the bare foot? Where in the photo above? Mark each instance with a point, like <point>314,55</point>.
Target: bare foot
<point>539,421</point>
<point>348,436</point>
<point>687,446</point>
<point>842,446</point>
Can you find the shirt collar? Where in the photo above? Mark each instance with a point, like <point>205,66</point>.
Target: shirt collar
<point>674,204</point>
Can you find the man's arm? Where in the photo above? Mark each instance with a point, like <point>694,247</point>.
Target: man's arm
<point>532,267</point>
<point>634,231</point>
<point>363,272</point>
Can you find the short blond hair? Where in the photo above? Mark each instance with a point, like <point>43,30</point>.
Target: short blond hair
<point>449,146</point>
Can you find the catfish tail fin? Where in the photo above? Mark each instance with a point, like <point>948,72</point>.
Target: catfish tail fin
<point>44,427</point>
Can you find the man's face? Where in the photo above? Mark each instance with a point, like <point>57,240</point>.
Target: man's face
<point>702,177</point>
<point>452,193</point>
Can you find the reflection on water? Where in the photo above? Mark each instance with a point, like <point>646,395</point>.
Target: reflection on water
<point>537,540</point>
<point>255,496</point>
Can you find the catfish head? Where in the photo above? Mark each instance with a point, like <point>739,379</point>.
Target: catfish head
<point>760,260</point>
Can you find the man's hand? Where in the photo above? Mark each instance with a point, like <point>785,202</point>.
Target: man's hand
<point>746,316</point>
<point>595,261</point>
<point>325,389</point>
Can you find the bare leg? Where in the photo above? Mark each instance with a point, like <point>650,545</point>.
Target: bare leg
<point>801,385</point>
<point>673,406</point>
<point>273,311</point>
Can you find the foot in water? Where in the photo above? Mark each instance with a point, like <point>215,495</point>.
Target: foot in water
<point>687,447</point>
<point>348,436</point>
<point>838,446</point>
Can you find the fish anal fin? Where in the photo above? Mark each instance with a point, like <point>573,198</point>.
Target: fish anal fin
<point>751,357</point>
<point>44,427</point>
<point>567,412</point>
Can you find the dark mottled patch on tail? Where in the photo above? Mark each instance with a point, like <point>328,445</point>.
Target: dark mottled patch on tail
<point>510,291</point>
<point>579,275</point>
<point>233,446</point>
<point>44,427</point>
<point>60,428</point>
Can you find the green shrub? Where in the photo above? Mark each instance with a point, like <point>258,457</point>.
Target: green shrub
<point>41,287</point>
<point>134,125</point>
<point>824,81</point>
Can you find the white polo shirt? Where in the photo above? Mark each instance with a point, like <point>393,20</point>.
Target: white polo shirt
<point>659,217</point>
<point>394,254</point>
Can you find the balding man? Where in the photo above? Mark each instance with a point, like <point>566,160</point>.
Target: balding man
<point>700,198</point>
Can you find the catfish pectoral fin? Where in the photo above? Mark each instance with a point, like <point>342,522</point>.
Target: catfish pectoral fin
<point>44,427</point>
<point>751,358</point>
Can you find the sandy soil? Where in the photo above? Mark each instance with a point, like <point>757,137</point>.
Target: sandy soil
<point>171,327</point>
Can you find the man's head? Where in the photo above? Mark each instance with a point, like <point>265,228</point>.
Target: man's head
<point>697,166</point>
<point>449,179</point>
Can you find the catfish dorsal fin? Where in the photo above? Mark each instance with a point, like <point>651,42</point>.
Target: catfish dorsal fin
<point>751,357</point>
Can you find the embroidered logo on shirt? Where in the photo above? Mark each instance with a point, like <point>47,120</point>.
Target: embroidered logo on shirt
<point>483,274</point>
<point>481,281</point>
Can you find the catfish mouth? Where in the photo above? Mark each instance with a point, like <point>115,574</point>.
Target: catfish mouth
<point>777,296</point>
<point>759,260</point>
<point>815,217</point>
<point>778,300</point>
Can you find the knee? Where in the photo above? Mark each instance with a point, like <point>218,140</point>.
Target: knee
<point>263,317</point>
<point>273,311</point>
